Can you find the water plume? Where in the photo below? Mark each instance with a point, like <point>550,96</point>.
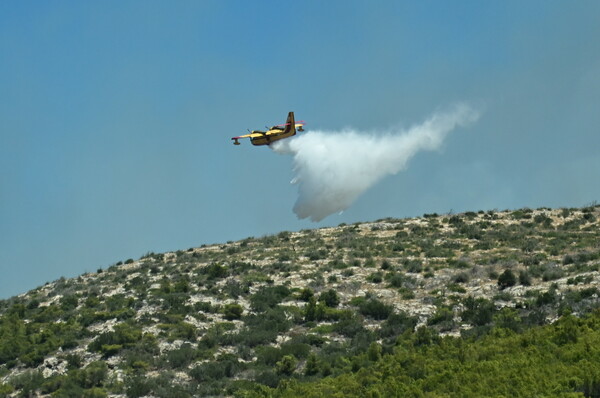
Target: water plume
<point>332,168</point>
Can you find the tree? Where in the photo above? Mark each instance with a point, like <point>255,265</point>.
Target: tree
<point>310,310</point>
<point>312,365</point>
<point>374,352</point>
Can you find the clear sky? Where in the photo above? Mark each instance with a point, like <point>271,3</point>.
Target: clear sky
<point>116,116</point>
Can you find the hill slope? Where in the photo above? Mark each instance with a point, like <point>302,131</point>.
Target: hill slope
<point>243,316</point>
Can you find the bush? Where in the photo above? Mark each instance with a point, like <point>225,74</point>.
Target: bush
<point>182,356</point>
<point>306,294</point>
<point>507,279</point>
<point>232,311</point>
<point>524,278</point>
<point>268,355</point>
<point>552,274</point>
<point>263,328</point>
<point>312,365</point>
<point>396,280</point>
<point>110,343</point>
<point>268,297</point>
<point>441,315</point>
<point>375,309</point>
<point>545,298</point>
<point>330,298</point>
<point>349,327</point>
<point>210,371</point>
<point>478,312</point>
<point>268,378</point>
<point>5,390</point>
<point>396,324</point>
<point>461,277</point>
<point>375,277</point>
<point>414,266</point>
<point>295,348</point>
<point>137,386</point>
<point>315,255</point>
<point>287,365</point>
<point>215,271</point>
<point>28,382</point>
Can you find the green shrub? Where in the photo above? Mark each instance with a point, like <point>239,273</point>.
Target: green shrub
<point>375,309</point>
<point>137,386</point>
<point>287,365</point>
<point>375,277</point>
<point>268,355</point>
<point>524,278</point>
<point>349,327</point>
<point>330,298</point>
<point>478,312</point>
<point>268,378</point>
<point>297,349</point>
<point>396,280</point>
<point>506,279</point>
<point>442,314</point>
<point>305,294</point>
<point>215,271</point>
<point>263,328</point>
<point>268,297</point>
<point>456,288</point>
<point>396,324</point>
<point>312,365</point>
<point>182,356</point>
<point>232,311</point>
<point>552,274</point>
<point>224,368</point>
<point>109,343</point>
<point>315,255</point>
<point>414,266</point>
<point>28,382</point>
<point>461,277</point>
<point>5,390</point>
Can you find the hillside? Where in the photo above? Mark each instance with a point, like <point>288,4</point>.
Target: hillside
<point>309,307</point>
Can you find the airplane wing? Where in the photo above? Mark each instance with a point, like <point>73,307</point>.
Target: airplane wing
<point>251,135</point>
<point>274,132</point>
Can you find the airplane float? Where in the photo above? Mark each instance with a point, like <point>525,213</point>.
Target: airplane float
<point>274,133</point>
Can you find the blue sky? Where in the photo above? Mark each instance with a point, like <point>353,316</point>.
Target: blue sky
<point>115,116</point>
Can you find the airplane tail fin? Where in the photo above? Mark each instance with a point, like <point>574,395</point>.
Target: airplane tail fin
<point>289,123</point>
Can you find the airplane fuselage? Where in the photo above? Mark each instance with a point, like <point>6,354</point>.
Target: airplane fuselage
<point>274,135</point>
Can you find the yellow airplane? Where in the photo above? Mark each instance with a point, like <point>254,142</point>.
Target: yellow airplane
<point>273,134</point>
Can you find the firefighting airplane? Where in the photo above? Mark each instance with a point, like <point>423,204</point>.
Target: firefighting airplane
<point>273,134</point>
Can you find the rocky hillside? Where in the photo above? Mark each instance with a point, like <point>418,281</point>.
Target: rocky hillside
<point>222,319</point>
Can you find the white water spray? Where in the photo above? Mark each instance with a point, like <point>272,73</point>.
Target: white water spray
<point>334,167</point>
